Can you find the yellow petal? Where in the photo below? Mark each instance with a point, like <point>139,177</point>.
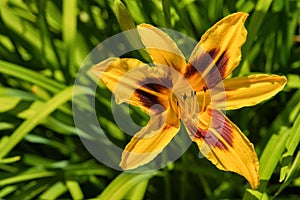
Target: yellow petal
<point>248,91</point>
<point>219,50</point>
<point>111,70</point>
<point>134,82</point>
<point>225,145</point>
<point>162,49</point>
<point>150,141</point>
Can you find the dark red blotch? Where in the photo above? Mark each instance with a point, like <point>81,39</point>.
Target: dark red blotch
<point>222,127</point>
<point>203,61</point>
<point>148,100</point>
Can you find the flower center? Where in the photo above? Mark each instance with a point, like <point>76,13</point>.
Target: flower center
<point>189,104</point>
<point>192,103</point>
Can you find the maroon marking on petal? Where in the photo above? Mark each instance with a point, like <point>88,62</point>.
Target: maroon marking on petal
<point>159,83</point>
<point>200,63</point>
<point>213,53</point>
<point>149,100</point>
<point>222,64</point>
<point>152,101</point>
<point>209,138</point>
<point>222,127</point>
<point>190,71</point>
<point>203,61</point>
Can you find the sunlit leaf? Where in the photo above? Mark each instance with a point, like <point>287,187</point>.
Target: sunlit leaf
<point>74,189</point>
<point>54,191</point>
<point>123,184</point>
<point>291,145</point>
<point>30,123</point>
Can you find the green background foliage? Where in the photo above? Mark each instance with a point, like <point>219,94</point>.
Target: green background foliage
<point>43,43</point>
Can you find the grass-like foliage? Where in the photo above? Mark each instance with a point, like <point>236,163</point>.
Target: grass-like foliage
<point>42,45</point>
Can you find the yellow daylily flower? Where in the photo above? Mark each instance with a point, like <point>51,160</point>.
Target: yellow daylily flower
<point>189,91</point>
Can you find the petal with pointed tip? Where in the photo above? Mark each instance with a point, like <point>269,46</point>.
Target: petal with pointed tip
<point>221,142</point>
<point>150,141</point>
<point>134,82</point>
<point>248,91</point>
<point>162,49</point>
<point>219,51</point>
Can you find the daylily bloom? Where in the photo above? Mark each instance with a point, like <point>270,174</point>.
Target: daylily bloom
<point>195,92</point>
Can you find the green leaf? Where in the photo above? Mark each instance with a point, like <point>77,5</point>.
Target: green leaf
<point>123,16</point>
<point>10,160</point>
<point>245,6</point>
<point>7,190</point>
<point>8,103</point>
<point>215,9</point>
<point>288,113</point>
<point>41,140</point>
<point>25,177</point>
<point>17,26</point>
<point>123,184</point>
<point>35,160</point>
<point>167,12</point>
<point>30,76</point>
<point>256,20</point>
<point>271,156</point>
<point>136,7</point>
<point>69,35</point>
<point>291,174</point>
<point>293,81</point>
<point>54,191</point>
<point>74,189</point>
<point>291,145</point>
<point>32,110</point>
<point>4,126</point>
<point>11,92</point>
<point>47,47</point>
<point>139,191</point>
<point>31,122</point>
<point>255,195</point>
<point>54,16</point>
<point>114,129</point>
<point>126,22</point>
<point>49,122</point>
<point>31,189</point>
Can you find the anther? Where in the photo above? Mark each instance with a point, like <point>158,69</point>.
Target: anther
<point>184,97</point>
<point>203,103</point>
<point>191,102</point>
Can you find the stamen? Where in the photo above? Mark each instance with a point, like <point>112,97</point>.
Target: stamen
<point>203,109</point>
<point>184,97</point>
<point>190,102</point>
